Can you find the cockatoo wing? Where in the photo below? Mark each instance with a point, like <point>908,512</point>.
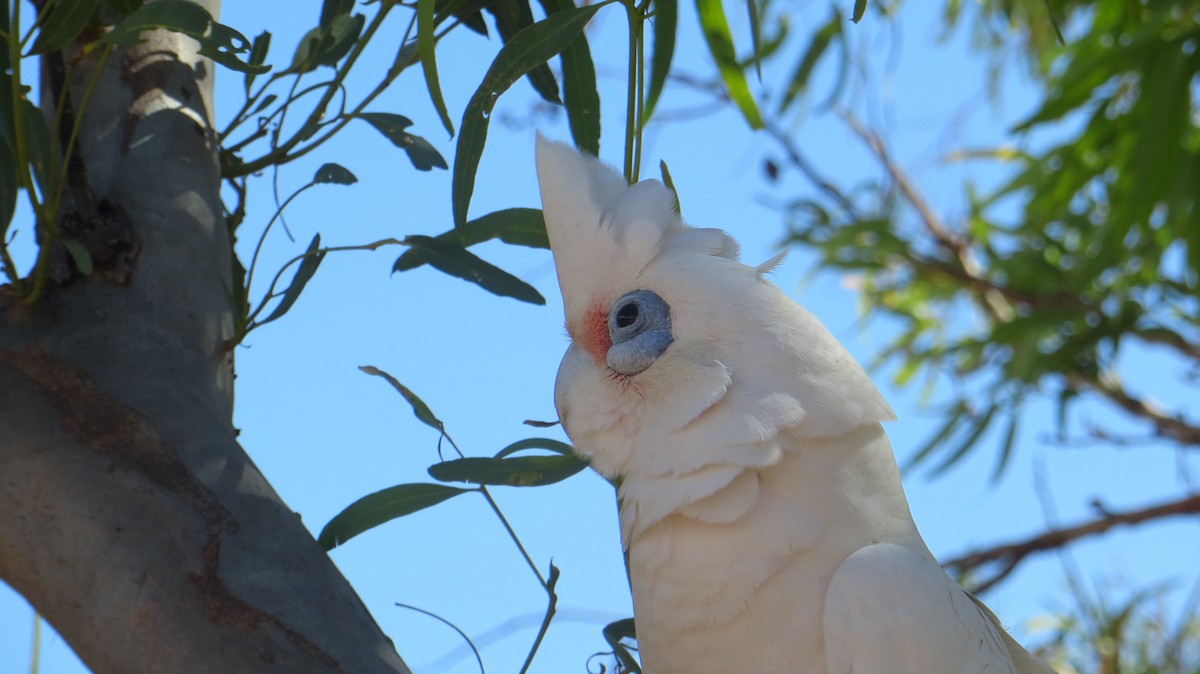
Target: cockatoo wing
<point>891,611</point>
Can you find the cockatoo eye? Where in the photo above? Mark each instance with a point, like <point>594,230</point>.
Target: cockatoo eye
<point>639,326</point>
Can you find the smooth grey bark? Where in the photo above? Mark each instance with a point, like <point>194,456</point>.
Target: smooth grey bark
<point>129,516</point>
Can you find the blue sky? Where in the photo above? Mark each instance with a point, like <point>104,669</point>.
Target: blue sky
<point>325,434</point>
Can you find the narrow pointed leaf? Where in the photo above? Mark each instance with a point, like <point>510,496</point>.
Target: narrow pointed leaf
<point>426,42</point>
<point>530,47</point>
<point>513,16</point>
<point>663,25</point>
<point>1006,446</point>
<point>954,416</point>
<point>860,8</point>
<point>720,45</point>
<point>519,471</point>
<point>516,226</point>
<point>419,408</point>
<point>65,22</point>
<point>966,443</point>
<point>258,56</point>
<point>457,261</point>
<point>79,255</point>
<point>755,37</point>
<point>308,266</point>
<point>537,443</point>
<point>422,155</point>
<point>9,185</point>
<point>580,95</point>
<point>816,48</point>
<point>383,506</point>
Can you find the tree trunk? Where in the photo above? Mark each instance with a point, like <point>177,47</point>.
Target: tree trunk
<point>129,516</point>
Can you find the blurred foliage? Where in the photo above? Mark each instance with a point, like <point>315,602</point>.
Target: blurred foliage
<point>1092,245</point>
<point>1137,634</point>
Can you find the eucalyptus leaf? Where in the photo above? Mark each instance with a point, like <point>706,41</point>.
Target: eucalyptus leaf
<point>383,506</point>
<point>516,226</point>
<point>304,273</point>
<point>520,471</point>
<point>663,26</point>
<point>720,44</point>
<point>334,173</point>
<point>457,261</point>
<point>65,21</point>
<point>528,49</point>
<point>419,408</point>
<point>426,44</point>
<point>555,446</point>
<point>580,95</point>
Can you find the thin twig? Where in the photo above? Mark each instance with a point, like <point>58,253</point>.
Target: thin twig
<point>949,240</point>
<point>1009,555</point>
<point>1173,428</point>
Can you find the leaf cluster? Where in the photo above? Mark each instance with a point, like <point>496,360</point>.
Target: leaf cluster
<point>1090,246</point>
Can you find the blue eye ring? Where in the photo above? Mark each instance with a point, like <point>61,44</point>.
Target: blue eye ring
<point>639,327</point>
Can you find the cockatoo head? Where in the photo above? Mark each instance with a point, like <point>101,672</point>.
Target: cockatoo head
<point>685,365</point>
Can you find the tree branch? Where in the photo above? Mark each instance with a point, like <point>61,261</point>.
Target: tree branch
<point>1173,428</point>
<point>1009,555</point>
<point>949,240</point>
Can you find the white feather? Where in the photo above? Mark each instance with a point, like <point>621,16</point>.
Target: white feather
<point>761,506</point>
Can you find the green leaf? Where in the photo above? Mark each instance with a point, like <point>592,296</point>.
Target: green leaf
<point>527,49</point>
<point>720,45</point>
<point>580,95</point>
<point>79,255</point>
<point>953,417</point>
<point>383,506</point>
<point>64,23</point>
<point>664,25</point>
<point>308,266</point>
<point>179,16</point>
<point>1006,447</point>
<point>334,173</point>
<point>555,446</point>
<point>419,408</point>
<point>325,45</point>
<point>37,146</point>
<point>217,41</point>
<point>860,7</point>
<point>9,185</point>
<point>422,155</point>
<point>755,37</point>
<point>258,56</point>
<point>332,9</point>
<point>513,16</point>
<point>816,48</point>
<point>981,425</point>
<point>457,261</point>
<point>123,8</point>
<point>519,471</point>
<point>516,226</point>
<point>426,42</point>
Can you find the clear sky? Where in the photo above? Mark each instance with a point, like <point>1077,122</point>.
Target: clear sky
<point>325,434</point>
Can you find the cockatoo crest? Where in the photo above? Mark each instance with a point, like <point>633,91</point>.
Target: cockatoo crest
<point>741,363</point>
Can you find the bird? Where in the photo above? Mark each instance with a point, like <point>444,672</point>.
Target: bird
<point>760,505</point>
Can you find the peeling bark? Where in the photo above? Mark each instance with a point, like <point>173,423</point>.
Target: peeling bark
<point>129,516</point>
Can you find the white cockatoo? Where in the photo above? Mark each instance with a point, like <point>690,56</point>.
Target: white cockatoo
<point>760,504</point>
